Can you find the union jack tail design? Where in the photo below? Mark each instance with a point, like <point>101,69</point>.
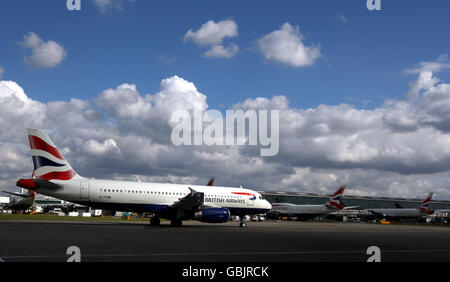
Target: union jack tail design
<point>425,206</point>
<point>335,201</point>
<point>49,163</point>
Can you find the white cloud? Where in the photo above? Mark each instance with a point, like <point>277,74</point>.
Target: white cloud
<point>433,66</point>
<point>125,102</point>
<point>434,107</point>
<point>276,103</point>
<point>286,46</point>
<point>17,108</point>
<point>426,79</point>
<point>342,18</point>
<point>212,34</point>
<point>106,6</point>
<point>43,54</point>
<point>398,149</point>
<point>32,40</point>
<point>219,51</point>
<point>107,149</point>
<point>166,59</point>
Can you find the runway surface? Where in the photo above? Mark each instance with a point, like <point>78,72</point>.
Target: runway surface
<point>198,242</point>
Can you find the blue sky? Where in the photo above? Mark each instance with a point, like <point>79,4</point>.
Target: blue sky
<point>362,59</point>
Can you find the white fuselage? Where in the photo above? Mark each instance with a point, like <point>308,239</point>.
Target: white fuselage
<point>399,213</point>
<point>291,209</point>
<point>153,197</point>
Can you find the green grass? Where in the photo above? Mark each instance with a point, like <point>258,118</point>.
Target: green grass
<point>66,218</point>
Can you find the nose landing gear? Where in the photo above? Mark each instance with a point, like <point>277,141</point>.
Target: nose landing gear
<point>242,221</point>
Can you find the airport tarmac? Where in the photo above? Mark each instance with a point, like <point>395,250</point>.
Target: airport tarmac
<point>199,242</point>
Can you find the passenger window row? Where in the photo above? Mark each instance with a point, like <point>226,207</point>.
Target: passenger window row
<point>140,192</point>
<point>161,193</point>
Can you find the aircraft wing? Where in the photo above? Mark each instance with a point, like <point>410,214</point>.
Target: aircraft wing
<point>351,208</point>
<point>17,194</point>
<point>193,201</point>
<point>377,213</point>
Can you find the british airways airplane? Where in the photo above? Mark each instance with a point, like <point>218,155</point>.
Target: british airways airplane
<point>53,176</point>
<point>402,213</point>
<point>305,212</point>
<point>23,203</point>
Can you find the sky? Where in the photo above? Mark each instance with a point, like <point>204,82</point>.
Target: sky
<point>363,95</point>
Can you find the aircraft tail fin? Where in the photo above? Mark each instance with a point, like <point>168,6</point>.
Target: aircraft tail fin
<point>425,206</point>
<point>335,201</point>
<point>211,181</point>
<point>49,163</point>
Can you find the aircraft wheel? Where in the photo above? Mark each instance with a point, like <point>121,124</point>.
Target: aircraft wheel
<point>243,224</point>
<point>155,221</point>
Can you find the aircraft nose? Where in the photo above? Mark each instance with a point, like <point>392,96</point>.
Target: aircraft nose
<point>268,205</point>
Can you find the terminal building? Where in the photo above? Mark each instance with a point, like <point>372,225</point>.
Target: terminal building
<point>363,202</point>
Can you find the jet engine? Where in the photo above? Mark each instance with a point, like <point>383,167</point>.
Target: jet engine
<point>213,215</point>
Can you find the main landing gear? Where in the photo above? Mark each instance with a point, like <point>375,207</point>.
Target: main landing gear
<point>155,221</point>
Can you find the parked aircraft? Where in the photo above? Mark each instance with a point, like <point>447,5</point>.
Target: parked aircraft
<point>21,202</point>
<point>304,212</point>
<point>404,213</point>
<point>54,176</point>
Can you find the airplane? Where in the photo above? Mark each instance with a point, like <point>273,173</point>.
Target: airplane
<point>64,207</point>
<point>399,213</point>
<point>304,212</point>
<point>25,202</point>
<point>55,177</point>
